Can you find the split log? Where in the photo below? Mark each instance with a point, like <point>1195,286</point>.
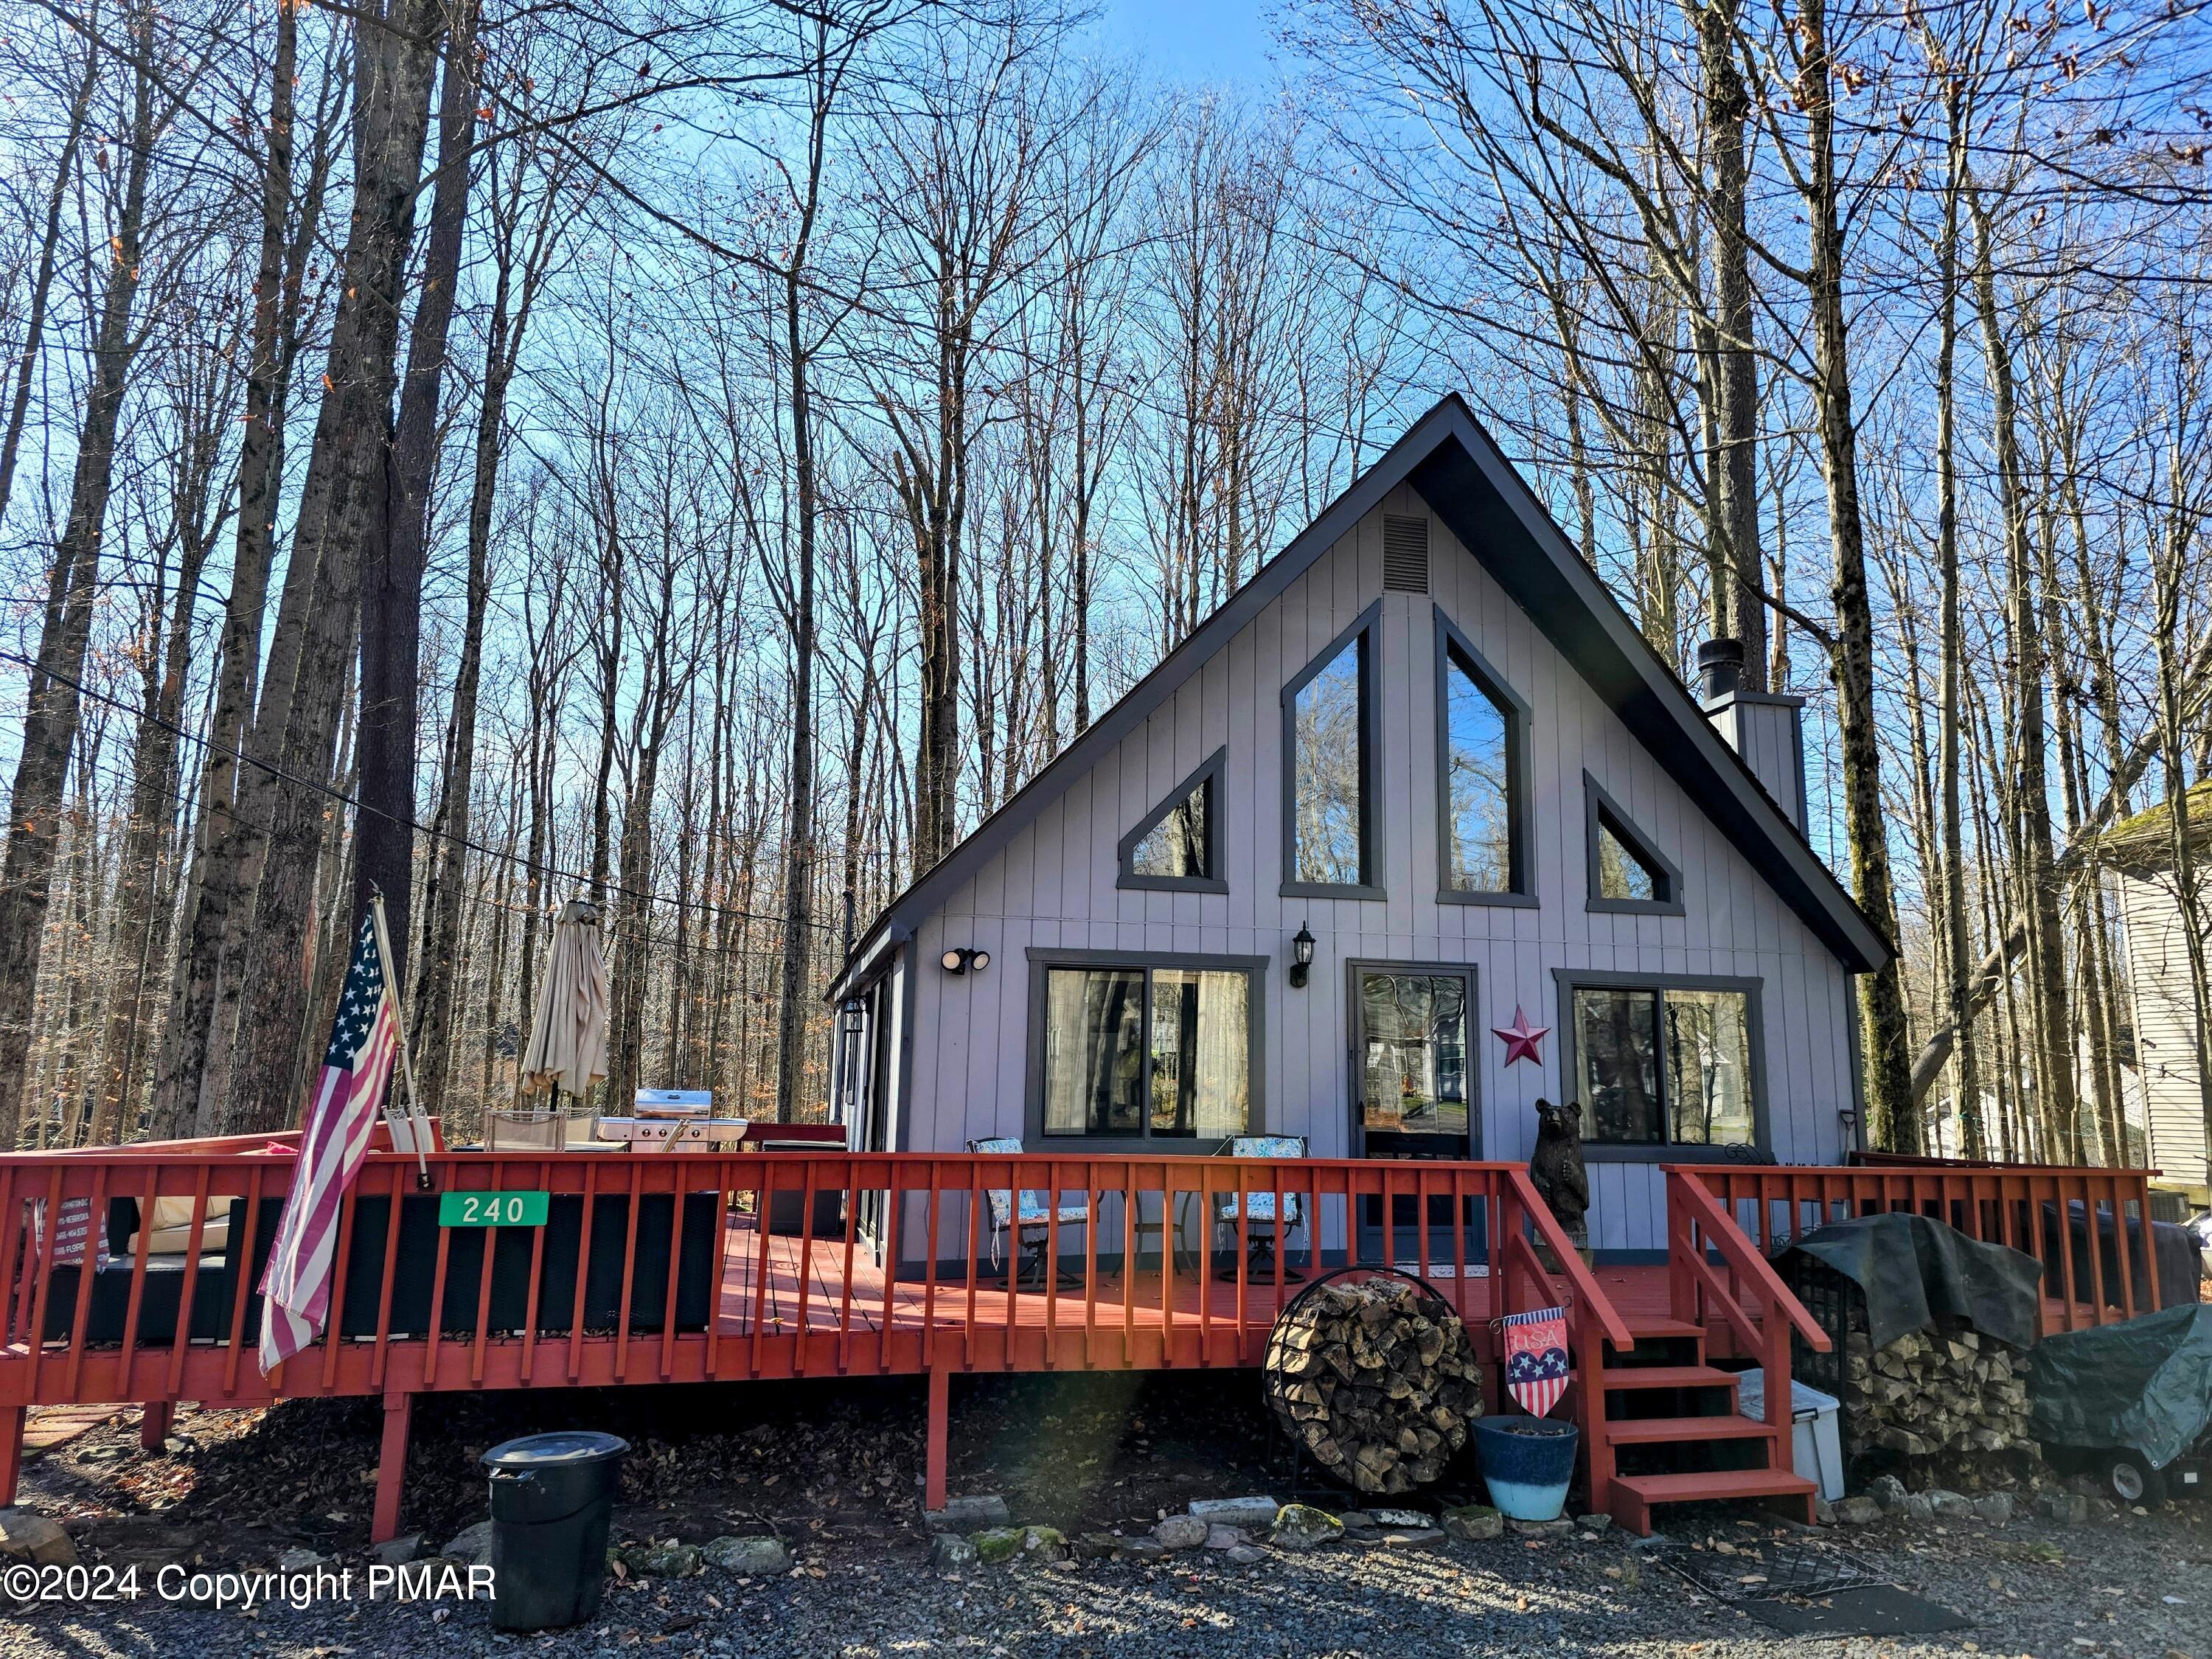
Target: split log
<point>1376,1382</point>
<point>1934,1392</point>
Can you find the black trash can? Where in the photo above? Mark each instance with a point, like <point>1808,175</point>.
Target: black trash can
<point>552,1497</point>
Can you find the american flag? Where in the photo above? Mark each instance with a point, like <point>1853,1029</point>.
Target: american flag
<point>1536,1358</point>
<point>364,1039</point>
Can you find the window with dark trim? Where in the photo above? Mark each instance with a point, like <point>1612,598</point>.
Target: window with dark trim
<point>1328,769</point>
<point>1483,781</point>
<point>1670,1066</point>
<point>1177,845</point>
<point>1626,871</point>
<point>1145,1049</point>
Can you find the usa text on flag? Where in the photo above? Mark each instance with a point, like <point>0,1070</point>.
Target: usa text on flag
<point>1536,1358</point>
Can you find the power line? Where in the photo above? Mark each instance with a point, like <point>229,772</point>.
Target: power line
<point>339,795</point>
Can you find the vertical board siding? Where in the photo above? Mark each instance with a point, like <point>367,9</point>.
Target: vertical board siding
<point>1055,884</point>
<point>2166,1024</point>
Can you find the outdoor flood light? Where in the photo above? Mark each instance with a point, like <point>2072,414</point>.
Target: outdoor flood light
<point>963,959</point>
<point>1302,946</point>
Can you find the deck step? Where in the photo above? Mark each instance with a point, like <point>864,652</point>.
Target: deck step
<point>1711,1486</point>
<point>1635,1496</point>
<point>1659,1327</point>
<point>1660,1430</point>
<point>1667,1377</point>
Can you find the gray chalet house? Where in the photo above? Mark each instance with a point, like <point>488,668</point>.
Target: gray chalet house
<point>1425,738</point>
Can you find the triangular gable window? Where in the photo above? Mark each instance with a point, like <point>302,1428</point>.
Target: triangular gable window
<point>1177,846</point>
<point>1627,872</point>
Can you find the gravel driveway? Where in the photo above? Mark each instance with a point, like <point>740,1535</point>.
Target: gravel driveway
<point>835,1473</point>
<point>2140,1588</point>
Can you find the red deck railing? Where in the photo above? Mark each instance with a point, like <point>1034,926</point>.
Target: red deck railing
<point>688,1268</point>
<point>2090,1229</point>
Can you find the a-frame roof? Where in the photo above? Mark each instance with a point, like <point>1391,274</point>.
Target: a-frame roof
<point>1469,484</point>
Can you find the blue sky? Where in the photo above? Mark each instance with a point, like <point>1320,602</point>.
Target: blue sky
<point>1208,40</point>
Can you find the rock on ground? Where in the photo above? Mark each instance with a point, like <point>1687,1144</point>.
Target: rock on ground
<point>1181,1532</point>
<point>971,1514</point>
<point>1473,1522</point>
<point>747,1557</point>
<point>34,1539</point>
<point>470,1544</point>
<point>1249,1513</point>
<point>665,1560</point>
<point>950,1552</point>
<point>396,1552</point>
<point>1300,1527</point>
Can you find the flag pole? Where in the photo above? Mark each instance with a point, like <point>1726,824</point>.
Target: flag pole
<point>417,1122</point>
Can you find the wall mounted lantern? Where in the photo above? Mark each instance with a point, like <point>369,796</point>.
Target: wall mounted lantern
<point>856,1014</point>
<point>1301,945</point>
<point>1850,1120</point>
<point>964,960</point>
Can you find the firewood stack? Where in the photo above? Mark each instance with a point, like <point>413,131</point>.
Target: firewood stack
<point>1376,1381</point>
<point>1934,1392</point>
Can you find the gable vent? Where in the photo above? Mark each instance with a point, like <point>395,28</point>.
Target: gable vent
<point>1406,555</point>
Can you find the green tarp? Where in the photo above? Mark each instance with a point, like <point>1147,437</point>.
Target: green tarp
<point>2145,1383</point>
<point>1912,1268</point>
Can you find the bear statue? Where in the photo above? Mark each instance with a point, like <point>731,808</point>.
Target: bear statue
<point>1557,1170</point>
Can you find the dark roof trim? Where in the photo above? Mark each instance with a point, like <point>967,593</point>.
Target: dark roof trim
<point>1469,484</point>
<point>870,959</point>
<point>1489,506</point>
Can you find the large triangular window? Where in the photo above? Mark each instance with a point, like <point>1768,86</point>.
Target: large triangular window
<point>1627,872</point>
<point>1482,782</point>
<point>1177,845</point>
<point>1328,769</point>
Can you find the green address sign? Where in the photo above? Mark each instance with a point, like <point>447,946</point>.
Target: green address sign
<point>492,1209</point>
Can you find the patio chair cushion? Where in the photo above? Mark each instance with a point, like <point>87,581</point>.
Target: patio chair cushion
<point>1035,1214</point>
<point>1036,1211</point>
<point>1261,1205</point>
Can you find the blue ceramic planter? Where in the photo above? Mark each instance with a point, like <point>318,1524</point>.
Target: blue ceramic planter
<point>1528,1463</point>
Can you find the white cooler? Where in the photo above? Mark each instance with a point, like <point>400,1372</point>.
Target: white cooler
<point>1816,1435</point>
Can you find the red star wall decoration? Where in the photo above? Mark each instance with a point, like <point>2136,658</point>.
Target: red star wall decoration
<point>1521,1038</point>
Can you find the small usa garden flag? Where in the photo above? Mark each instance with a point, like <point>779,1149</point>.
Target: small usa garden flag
<point>1536,1358</point>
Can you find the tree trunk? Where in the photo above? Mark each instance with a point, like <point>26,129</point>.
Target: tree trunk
<point>1951,715</point>
<point>42,280</point>
<point>391,561</point>
<point>1893,1116</point>
<point>1737,380</point>
<point>2029,776</point>
<point>393,70</point>
<point>54,709</point>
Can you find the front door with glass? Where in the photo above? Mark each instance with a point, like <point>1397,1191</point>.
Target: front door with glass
<point>1410,1062</point>
<point>1413,1098</point>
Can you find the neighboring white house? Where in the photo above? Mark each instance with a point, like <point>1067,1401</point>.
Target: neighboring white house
<point>1426,738</point>
<point>2159,986</point>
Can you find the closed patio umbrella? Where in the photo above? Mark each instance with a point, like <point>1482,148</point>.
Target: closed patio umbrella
<point>567,1046</point>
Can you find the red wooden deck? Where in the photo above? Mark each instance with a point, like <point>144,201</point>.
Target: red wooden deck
<point>1195,1302</point>
<point>655,1302</point>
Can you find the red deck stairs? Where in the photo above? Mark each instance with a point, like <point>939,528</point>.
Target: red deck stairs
<point>1673,1433</point>
<point>1662,1423</point>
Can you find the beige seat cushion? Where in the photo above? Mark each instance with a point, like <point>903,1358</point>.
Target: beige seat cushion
<point>170,1231</point>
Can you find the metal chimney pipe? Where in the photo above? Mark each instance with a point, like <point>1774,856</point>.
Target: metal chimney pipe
<point>1720,668</point>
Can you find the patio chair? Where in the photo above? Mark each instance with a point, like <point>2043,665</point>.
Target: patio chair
<point>1030,1224</point>
<point>1263,1228</point>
